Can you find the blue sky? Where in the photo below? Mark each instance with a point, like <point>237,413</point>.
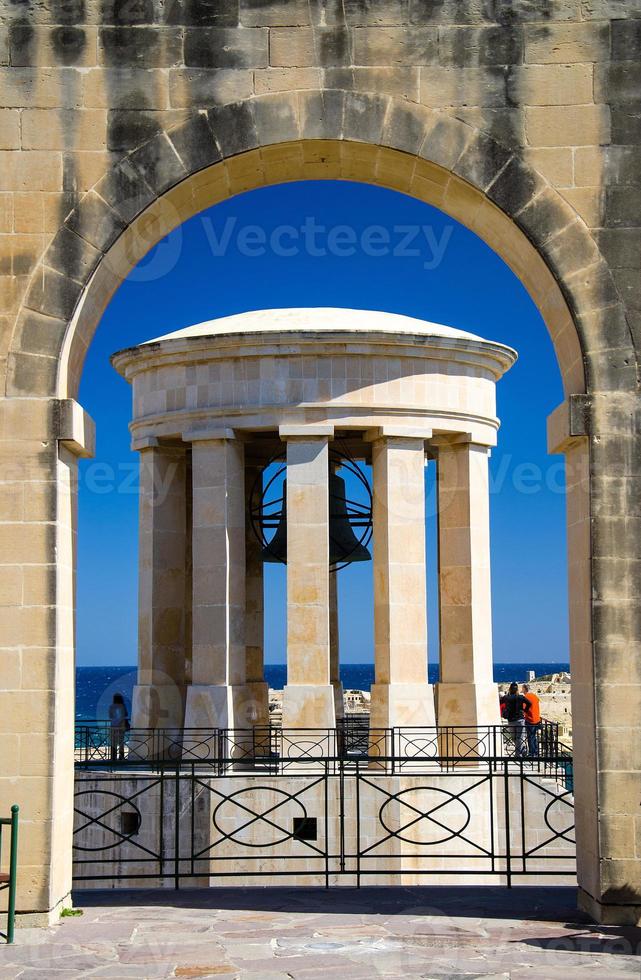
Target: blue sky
<point>330,243</point>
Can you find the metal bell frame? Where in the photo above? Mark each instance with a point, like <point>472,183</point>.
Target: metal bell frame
<point>266,514</point>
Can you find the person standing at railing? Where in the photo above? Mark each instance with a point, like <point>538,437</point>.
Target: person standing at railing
<point>514,708</point>
<point>532,721</point>
<point>119,723</point>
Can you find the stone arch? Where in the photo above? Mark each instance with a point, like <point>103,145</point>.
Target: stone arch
<point>333,133</point>
<point>218,152</point>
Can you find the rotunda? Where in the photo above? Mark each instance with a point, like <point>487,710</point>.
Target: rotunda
<point>213,404</point>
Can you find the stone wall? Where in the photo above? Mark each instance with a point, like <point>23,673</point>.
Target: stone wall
<point>121,118</point>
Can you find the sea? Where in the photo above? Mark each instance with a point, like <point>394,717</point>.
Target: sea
<point>95,686</point>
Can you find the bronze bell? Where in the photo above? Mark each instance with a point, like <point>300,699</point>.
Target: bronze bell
<point>344,546</point>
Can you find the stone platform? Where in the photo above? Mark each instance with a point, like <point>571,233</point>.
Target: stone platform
<point>303,934</point>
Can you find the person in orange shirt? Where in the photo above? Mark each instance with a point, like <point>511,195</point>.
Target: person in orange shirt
<point>532,721</point>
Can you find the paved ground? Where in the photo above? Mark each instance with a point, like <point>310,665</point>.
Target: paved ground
<point>302,934</point>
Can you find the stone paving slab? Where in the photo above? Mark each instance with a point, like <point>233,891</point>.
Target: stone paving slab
<point>277,933</point>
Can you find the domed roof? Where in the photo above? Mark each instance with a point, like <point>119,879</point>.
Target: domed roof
<point>317,319</point>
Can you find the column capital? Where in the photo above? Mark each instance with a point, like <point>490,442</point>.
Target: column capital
<point>459,440</point>
<point>75,429</point>
<point>209,435</point>
<point>311,431</point>
<point>569,422</point>
<point>413,433</point>
<point>138,443</point>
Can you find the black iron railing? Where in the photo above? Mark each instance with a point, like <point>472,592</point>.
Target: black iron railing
<point>352,742</point>
<point>186,824</point>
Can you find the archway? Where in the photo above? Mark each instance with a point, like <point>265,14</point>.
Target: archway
<point>438,159</point>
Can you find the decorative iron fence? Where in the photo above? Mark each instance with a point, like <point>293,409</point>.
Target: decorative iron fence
<point>499,820</point>
<point>277,750</point>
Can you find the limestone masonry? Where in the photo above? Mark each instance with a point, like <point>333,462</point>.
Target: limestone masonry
<point>118,121</point>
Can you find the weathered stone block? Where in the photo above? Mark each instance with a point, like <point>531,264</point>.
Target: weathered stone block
<point>622,207</point>
<point>203,13</point>
<point>194,88</point>
<point>140,47</point>
<point>604,329</point>
<point>626,125</point>
<point>31,374</point>
<point>468,47</point>
<point>41,88</point>
<point>125,88</point>
<point>364,117</point>
<point>270,80</point>
<point>445,141</point>
<point>96,222</point>
<point>4,46</point>
<point>234,127</point>
<point>128,129</point>
<point>463,86</point>
<point>515,187</point>
<point>548,85</point>
<point>545,216</point>
<point>395,46</point>
<point>80,129</point>
<point>125,190</point>
<point>214,47</point>
<point>9,129</point>
<point>72,256</point>
<point>38,334</point>
<point>321,114</point>
<point>506,125</point>
<point>401,82</point>
<point>306,47</point>
<point>566,43</point>
<point>257,13</point>
<point>621,247</point>
<point>581,125</point>
<point>158,163</point>
<point>276,118</point>
<point>405,127</point>
<point>626,40</point>
<point>53,294</point>
<point>618,84</point>
<point>362,12</point>
<point>481,161</point>
<point>53,47</point>
<point>627,282</point>
<point>28,169</point>
<point>611,371</point>
<point>554,163</point>
<point>194,143</point>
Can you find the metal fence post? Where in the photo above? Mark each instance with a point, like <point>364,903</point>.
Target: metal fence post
<point>13,874</point>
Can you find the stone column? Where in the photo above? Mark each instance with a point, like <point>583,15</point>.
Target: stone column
<point>158,698</point>
<point>334,646</point>
<point>466,693</point>
<point>217,697</point>
<point>401,694</point>
<point>308,699</point>
<point>257,689</point>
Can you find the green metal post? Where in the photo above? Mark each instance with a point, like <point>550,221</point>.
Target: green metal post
<point>13,873</point>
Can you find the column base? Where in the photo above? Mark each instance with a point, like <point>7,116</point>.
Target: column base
<point>309,706</point>
<point>402,705</point>
<point>255,706</point>
<point>469,721</point>
<point>157,706</point>
<point>339,700</point>
<point>222,705</point>
<point>468,704</point>
<point>606,914</point>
